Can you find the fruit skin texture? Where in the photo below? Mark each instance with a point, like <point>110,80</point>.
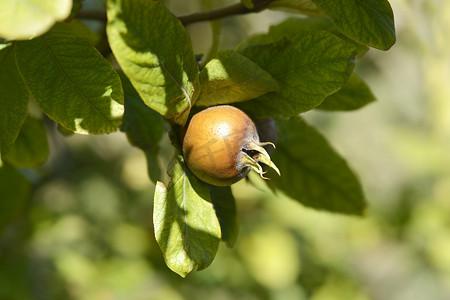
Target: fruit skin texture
<point>214,142</point>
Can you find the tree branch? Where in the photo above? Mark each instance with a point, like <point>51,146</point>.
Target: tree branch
<point>92,15</point>
<point>234,9</point>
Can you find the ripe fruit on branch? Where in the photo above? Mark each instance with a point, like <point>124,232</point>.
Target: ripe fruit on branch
<point>221,146</point>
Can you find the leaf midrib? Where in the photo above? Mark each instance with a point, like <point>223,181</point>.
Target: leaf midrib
<point>142,37</point>
<point>75,87</point>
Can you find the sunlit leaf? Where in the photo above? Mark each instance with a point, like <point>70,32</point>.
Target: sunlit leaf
<point>155,52</point>
<point>308,67</point>
<point>24,19</point>
<point>185,222</point>
<point>230,77</point>
<point>71,81</point>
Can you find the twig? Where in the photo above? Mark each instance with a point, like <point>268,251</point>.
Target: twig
<point>234,9</point>
<point>231,10</point>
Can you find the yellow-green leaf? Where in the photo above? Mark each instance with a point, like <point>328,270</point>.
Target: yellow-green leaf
<point>155,52</point>
<point>25,19</point>
<point>186,226</point>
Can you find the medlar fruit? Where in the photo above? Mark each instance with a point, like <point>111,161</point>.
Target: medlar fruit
<point>221,146</point>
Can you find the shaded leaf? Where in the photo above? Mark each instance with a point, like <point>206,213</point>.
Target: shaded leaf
<point>312,172</point>
<point>153,165</point>
<point>368,22</point>
<point>185,222</point>
<point>248,3</point>
<point>293,26</point>
<point>155,52</point>
<point>354,95</point>
<point>31,147</point>
<point>78,28</point>
<point>306,7</point>
<point>225,207</point>
<point>230,77</point>
<point>71,81</point>
<point>25,19</point>
<point>13,98</point>
<point>308,68</point>
<point>14,190</point>
<point>144,127</point>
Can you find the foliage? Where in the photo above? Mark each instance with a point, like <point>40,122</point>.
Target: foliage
<point>277,75</point>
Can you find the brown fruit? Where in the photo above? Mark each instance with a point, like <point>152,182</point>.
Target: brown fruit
<point>221,146</point>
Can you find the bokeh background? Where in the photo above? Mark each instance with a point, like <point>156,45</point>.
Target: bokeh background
<point>86,232</point>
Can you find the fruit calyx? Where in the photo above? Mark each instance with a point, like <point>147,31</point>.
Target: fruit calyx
<point>221,146</point>
<point>254,153</point>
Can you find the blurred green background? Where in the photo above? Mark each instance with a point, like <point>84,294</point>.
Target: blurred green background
<point>86,232</point>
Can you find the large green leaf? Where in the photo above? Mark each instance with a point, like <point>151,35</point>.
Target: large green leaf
<point>72,82</point>
<point>355,94</point>
<point>13,98</point>
<point>369,22</point>
<point>155,52</point>
<point>186,225</point>
<point>25,19</point>
<point>294,26</point>
<point>225,207</point>
<point>230,77</point>
<point>14,190</point>
<point>312,172</point>
<point>308,67</point>
<point>144,127</point>
<point>31,147</point>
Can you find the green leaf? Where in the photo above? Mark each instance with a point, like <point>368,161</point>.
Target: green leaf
<point>14,190</point>
<point>25,19</point>
<point>293,26</point>
<point>248,4</point>
<point>354,95</point>
<point>31,147</point>
<point>71,81</point>
<point>78,28</point>
<point>312,172</point>
<point>230,77</point>
<point>225,207</point>
<point>153,164</point>
<point>305,7</point>
<point>368,22</point>
<point>143,126</point>
<point>13,98</point>
<point>155,52</point>
<point>185,222</point>
<point>308,67</point>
